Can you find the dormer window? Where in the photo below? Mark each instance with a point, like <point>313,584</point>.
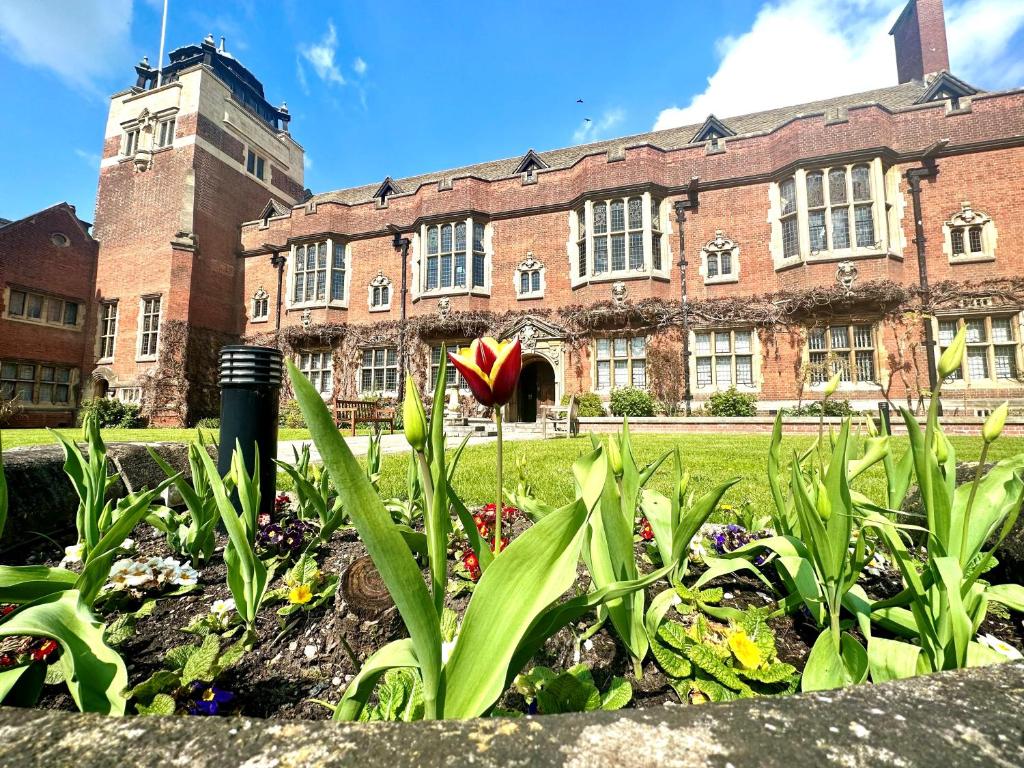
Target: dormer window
<point>255,164</point>
<point>616,238</point>
<point>970,235</point>
<point>720,260</point>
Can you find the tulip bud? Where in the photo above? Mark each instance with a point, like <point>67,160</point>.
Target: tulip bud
<point>823,504</point>
<point>684,483</point>
<point>954,355</point>
<point>614,456</point>
<point>833,383</point>
<point>872,429</point>
<point>414,418</point>
<point>941,449</point>
<point>994,423</point>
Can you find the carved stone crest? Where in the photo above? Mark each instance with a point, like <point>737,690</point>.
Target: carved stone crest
<point>619,293</point>
<point>528,338</point>
<point>846,274</point>
<point>307,319</point>
<point>444,307</point>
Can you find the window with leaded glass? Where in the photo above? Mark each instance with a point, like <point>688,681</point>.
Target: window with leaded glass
<point>379,370</point>
<point>620,362</point>
<point>993,347</point>
<point>149,326</point>
<point>616,236</point>
<point>130,142</point>
<point>42,308</point>
<point>35,383</point>
<point>581,242</point>
<point>971,234</point>
<point>655,234</point>
<point>724,359</point>
<point>108,329</point>
<point>379,295</point>
<point>318,367</point>
<point>164,133</point>
<point>316,269</point>
<point>845,349</point>
<point>447,248</point>
<point>453,377</point>
<point>788,217</point>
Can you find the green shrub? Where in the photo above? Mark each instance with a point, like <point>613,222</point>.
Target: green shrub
<point>732,403</point>
<point>832,408</point>
<point>587,404</point>
<point>208,422</point>
<point>630,401</point>
<point>291,416</point>
<point>112,413</point>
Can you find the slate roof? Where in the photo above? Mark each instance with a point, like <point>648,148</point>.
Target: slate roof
<point>893,98</point>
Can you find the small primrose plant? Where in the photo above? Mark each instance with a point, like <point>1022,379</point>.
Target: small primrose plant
<point>515,606</point>
<point>187,681</point>
<point>306,588</point>
<point>548,692</point>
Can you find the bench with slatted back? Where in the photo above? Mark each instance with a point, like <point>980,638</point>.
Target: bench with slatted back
<point>354,412</point>
<point>562,419</point>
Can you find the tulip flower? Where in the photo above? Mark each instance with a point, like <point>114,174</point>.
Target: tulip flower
<point>832,385</point>
<point>991,430</point>
<point>953,356</point>
<point>491,368</point>
<point>414,417</point>
<point>994,423</point>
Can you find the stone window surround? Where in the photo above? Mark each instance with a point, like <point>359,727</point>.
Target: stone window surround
<point>380,281</point>
<point>716,247</point>
<point>385,366</point>
<point>528,265</point>
<point>755,362</point>
<point>664,213</point>
<point>139,357</point>
<point>887,211</point>
<point>146,124</point>
<point>966,219</point>
<point>878,350</point>
<point>260,297</point>
<point>47,298</point>
<point>326,302</point>
<point>38,382</point>
<point>418,249</point>
<point>1017,325</point>
<point>100,333</point>
<point>309,366</point>
<point>612,357</point>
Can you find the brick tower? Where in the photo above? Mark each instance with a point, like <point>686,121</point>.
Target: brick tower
<point>189,154</point>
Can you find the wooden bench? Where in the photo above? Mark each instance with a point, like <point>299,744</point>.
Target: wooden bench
<point>562,419</point>
<point>354,412</point>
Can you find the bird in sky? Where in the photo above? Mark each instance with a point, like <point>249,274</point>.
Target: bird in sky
<point>579,101</point>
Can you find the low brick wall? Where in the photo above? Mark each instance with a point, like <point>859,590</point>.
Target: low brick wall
<point>952,425</point>
<point>971,717</point>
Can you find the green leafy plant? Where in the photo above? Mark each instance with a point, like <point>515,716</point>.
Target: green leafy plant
<point>833,408</point>
<point>189,672</point>
<point>247,575</point>
<point>514,607</point>
<point>631,401</point>
<point>305,588</point>
<point>316,503</point>
<point>709,661</point>
<point>588,404</point>
<point>110,412</point>
<point>732,402</point>
<point>573,690</point>
<point>191,532</point>
<point>290,415</point>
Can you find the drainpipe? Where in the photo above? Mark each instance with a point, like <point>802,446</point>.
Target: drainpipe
<point>927,170</point>
<point>681,207</point>
<point>278,261</point>
<point>402,244</point>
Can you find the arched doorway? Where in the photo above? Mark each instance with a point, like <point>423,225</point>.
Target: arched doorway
<point>536,388</point>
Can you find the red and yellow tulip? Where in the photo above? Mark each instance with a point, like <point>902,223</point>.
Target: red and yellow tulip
<point>491,369</point>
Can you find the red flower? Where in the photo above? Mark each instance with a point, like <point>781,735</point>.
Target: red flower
<point>646,532</point>
<point>44,649</point>
<point>472,565</point>
<point>6,660</point>
<point>7,608</point>
<point>491,369</point>
<point>504,544</point>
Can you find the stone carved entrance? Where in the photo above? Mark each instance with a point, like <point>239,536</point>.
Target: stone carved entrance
<point>536,389</point>
<point>541,382</point>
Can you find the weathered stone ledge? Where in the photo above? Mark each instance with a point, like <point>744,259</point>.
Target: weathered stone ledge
<point>972,717</point>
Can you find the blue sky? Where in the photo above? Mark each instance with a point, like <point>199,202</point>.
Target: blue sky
<point>405,87</point>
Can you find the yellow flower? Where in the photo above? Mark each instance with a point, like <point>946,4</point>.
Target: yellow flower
<point>745,650</point>
<point>300,595</point>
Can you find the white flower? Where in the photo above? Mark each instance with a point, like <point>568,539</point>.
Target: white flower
<point>698,552</point>
<point>128,545</point>
<point>165,569</point>
<point>186,576</point>
<point>1003,649</point>
<point>119,574</point>
<point>222,608</point>
<point>73,554</point>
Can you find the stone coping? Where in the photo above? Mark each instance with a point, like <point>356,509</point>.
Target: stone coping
<point>970,717</point>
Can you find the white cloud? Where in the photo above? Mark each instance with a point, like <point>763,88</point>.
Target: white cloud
<point>359,66</point>
<point>321,56</point>
<point>81,41</point>
<point>589,130</point>
<point>803,50</point>
<point>307,161</point>
<point>92,159</point>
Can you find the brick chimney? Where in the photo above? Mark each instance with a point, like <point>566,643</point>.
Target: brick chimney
<point>920,37</point>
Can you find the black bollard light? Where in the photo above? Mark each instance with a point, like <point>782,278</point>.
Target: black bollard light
<point>250,385</point>
<point>883,414</point>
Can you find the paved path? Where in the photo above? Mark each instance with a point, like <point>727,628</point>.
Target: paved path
<point>389,444</point>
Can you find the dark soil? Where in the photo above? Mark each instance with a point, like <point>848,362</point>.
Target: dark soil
<point>319,652</point>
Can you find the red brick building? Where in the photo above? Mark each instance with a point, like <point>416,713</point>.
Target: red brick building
<point>47,276</point>
<point>761,251</point>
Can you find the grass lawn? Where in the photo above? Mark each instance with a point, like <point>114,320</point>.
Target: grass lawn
<point>710,459</point>
<point>12,438</point>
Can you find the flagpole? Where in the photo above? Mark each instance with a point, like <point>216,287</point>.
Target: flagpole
<point>160,61</point>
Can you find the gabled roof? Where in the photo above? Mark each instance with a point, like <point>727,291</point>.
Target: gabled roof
<point>712,128</point>
<point>531,162</point>
<point>66,208</point>
<point>387,188</point>
<point>893,98</point>
<point>946,86</point>
<point>273,208</point>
